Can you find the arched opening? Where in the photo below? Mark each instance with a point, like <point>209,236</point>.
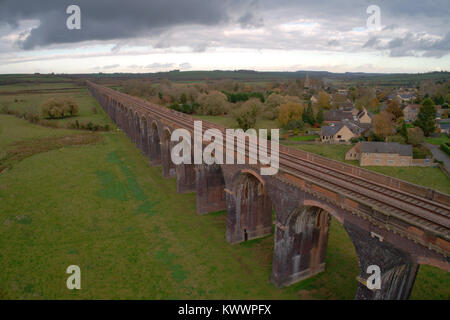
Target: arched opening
<point>210,188</point>
<point>137,130</point>
<point>186,174</point>
<point>144,136</point>
<point>128,123</point>
<point>155,145</point>
<point>123,118</point>
<point>310,241</point>
<point>131,125</point>
<point>168,169</point>
<point>250,216</point>
<point>119,116</point>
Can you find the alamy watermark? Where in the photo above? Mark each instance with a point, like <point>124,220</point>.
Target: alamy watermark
<point>374,20</point>
<point>213,153</point>
<point>374,281</point>
<point>74,280</point>
<point>73,22</point>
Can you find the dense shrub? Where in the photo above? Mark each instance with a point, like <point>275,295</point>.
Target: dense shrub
<point>243,96</point>
<point>294,125</point>
<point>415,136</point>
<point>87,126</point>
<point>214,103</point>
<point>357,139</point>
<point>420,152</point>
<point>183,107</point>
<point>59,108</point>
<point>289,111</point>
<point>246,115</point>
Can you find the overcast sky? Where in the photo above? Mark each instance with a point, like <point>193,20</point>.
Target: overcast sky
<point>161,35</point>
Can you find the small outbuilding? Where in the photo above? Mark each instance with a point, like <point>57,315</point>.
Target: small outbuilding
<point>381,154</point>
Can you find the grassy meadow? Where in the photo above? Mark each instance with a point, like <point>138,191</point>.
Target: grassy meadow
<point>99,204</point>
<point>22,101</point>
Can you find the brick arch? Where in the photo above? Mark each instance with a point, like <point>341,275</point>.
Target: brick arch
<point>155,143</point>
<point>137,129</point>
<point>187,173</point>
<point>249,208</point>
<point>301,238</point>
<point>300,245</point>
<point>320,204</point>
<point>210,188</point>
<point>246,171</point>
<point>168,167</point>
<point>145,137</point>
<point>129,122</point>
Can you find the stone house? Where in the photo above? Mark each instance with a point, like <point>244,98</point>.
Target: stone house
<point>336,133</point>
<point>364,116</point>
<point>358,129</point>
<point>381,154</point>
<point>410,112</point>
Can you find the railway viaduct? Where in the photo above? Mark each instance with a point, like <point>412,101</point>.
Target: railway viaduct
<point>393,224</point>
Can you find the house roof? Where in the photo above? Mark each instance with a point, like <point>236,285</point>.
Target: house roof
<point>363,112</point>
<point>407,95</point>
<point>330,131</point>
<point>353,126</point>
<point>386,147</point>
<point>337,115</point>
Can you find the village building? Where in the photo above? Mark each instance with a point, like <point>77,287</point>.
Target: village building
<point>401,96</point>
<point>364,116</point>
<point>336,133</point>
<point>381,154</point>
<point>358,129</point>
<point>444,127</point>
<point>410,112</point>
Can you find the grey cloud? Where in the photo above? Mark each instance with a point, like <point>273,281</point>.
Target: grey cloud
<point>333,42</point>
<point>107,20</point>
<point>249,20</point>
<point>371,43</point>
<point>411,44</point>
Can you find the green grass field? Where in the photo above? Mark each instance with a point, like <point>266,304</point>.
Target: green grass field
<point>443,138</point>
<point>26,102</point>
<point>36,86</point>
<point>303,138</point>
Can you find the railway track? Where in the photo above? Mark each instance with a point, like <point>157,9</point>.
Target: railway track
<point>422,212</point>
